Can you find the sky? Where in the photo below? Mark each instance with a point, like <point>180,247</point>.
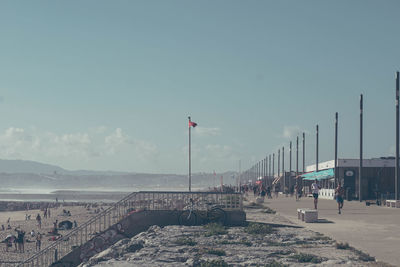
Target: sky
<point>108,85</point>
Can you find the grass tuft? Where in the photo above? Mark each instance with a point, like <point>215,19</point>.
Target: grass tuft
<point>185,241</point>
<point>302,257</point>
<point>275,263</point>
<point>214,263</point>
<point>215,229</point>
<point>268,210</point>
<point>258,229</point>
<point>218,252</point>
<point>340,245</point>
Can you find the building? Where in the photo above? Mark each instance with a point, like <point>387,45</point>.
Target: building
<point>377,180</point>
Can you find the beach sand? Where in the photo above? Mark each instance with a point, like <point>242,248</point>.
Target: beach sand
<point>17,219</point>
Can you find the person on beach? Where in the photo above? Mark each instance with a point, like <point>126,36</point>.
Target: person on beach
<point>39,221</point>
<point>20,240</point>
<point>48,212</point>
<point>339,193</point>
<point>315,192</point>
<point>45,213</point>
<point>38,241</point>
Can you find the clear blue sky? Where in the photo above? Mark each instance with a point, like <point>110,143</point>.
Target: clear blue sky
<point>108,85</point>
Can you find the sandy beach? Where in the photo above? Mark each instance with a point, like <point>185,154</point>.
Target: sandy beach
<point>17,219</point>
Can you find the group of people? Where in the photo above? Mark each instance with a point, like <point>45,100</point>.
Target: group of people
<point>19,240</point>
<point>339,195</point>
<point>261,190</point>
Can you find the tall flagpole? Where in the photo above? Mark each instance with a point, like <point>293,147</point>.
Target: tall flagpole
<point>360,172</point>
<point>190,171</point>
<point>396,170</point>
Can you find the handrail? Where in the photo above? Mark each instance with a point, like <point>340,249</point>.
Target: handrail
<point>82,226</point>
<point>153,200</point>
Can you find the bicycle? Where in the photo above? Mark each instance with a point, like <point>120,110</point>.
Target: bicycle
<point>213,214</point>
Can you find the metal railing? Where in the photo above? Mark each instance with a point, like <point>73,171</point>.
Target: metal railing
<point>144,200</point>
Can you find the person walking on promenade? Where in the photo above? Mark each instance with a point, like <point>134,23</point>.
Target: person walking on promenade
<point>269,192</point>
<point>339,193</point>
<point>276,189</point>
<point>296,191</point>
<point>315,192</point>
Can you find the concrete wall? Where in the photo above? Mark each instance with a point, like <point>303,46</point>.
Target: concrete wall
<point>131,226</point>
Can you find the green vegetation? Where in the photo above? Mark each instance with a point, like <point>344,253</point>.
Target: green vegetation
<point>185,241</point>
<point>302,257</point>
<point>275,264</point>
<point>253,205</point>
<point>342,245</point>
<point>362,255</point>
<point>268,210</point>
<point>218,252</point>
<point>214,263</point>
<point>215,229</point>
<point>281,252</point>
<point>258,229</point>
<point>277,244</point>
<point>241,242</point>
<point>246,243</point>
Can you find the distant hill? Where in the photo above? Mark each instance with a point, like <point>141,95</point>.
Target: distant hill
<point>27,166</point>
<point>30,174</point>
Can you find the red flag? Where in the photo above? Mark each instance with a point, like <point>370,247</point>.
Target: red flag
<point>191,123</point>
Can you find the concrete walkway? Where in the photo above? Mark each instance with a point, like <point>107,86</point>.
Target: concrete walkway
<point>372,229</point>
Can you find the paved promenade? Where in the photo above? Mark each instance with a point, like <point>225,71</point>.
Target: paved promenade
<point>372,229</point>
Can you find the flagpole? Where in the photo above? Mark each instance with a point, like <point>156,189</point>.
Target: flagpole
<point>190,174</point>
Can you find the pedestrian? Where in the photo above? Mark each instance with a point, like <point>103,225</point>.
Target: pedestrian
<point>20,240</point>
<point>269,192</point>
<point>45,213</point>
<point>315,192</point>
<point>277,188</point>
<point>48,212</point>
<point>263,192</point>
<point>296,191</point>
<point>38,241</point>
<point>339,193</point>
<point>39,221</point>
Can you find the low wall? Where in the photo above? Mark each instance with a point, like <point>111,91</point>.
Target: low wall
<point>131,226</point>
<point>327,193</point>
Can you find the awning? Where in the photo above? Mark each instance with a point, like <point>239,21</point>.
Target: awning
<point>276,180</point>
<point>320,175</point>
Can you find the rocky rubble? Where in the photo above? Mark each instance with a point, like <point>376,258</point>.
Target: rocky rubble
<point>253,245</point>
